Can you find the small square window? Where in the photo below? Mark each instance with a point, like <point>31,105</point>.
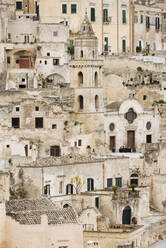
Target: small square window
<point>54,126</point>
<point>17,61</point>
<point>55,33</point>
<point>18,5</point>
<point>55,61</point>
<point>22,86</point>
<point>16,122</point>
<point>45,62</point>
<point>73,8</point>
<point>48,54</point>
<point>23,79</point>
<point>40,61</point>
<point>144,97</point>
<point>37,108</point>
<point>17,109</point>
<point>7,146</point>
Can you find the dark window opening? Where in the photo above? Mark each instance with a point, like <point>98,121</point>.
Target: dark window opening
<point>97,202</point>
<point>90,184</point>
<point>7,146</point>
<point>17,109</point>
<point>149,138</point>
<point>55,151</point>
<point>48,54</point>
<point>123,16</point>
<point>82,54</point>
<point>38,122</point>
<point>73,8</point>
<point>17,61</point>
<point>81,102</point>
<point>112,143</point>
<point>118,181</point>
<point>22,86</point>
<point>123,46</point>
<point>69,189</point>
<point>18,5</point>
<point>109,182</point>
<point>23,79</point>
<point>93,15</point>
<point>80,78</point>
<point>64,8</point>
<point>8,60</point>
<point>96,102</point>
<point>147,22</point>
<point>105,17</point>
<point>144,97</point>
<point>16,122</point>
<point>55,61</point>
<point>26,150</point>
<point>79,142</point>
<point>37,108</point>
<point>47,189</point>
<point>105,44</point>
<point>45,62</point>
<point>54,126</point>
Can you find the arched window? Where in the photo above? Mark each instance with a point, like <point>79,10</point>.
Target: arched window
<point>96,102</point>
<point>66,206</point>
<point>80,102</point>
<point>126,216</point>
<point>80,78</point>
<point>134,179</point>
<point>90,184</point>
<point>69,189</point>
<point>82,54</point>
<point>96,79</point>
<point>93,53</point>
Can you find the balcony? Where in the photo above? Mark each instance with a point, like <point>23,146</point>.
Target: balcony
<point>125,194</point>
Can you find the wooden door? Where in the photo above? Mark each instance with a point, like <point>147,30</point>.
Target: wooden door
<point>24,63</point>
<point>112,142</point>
<point>131,139</point>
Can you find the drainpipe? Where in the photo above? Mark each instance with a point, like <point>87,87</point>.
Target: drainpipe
<point>117,24</point>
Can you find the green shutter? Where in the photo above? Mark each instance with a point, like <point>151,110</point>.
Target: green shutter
<point>123,16</point>
<point>105,43</point>
<point>73,8</point>
<point>123,46</point>
<point>105,15</point>
<point>64,8</point>
<point>93,14</point>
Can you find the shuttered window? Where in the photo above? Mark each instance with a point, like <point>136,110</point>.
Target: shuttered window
<point>93,14</point>
<point>105,15</point>
<point>123,16</point>
<point>64,8</point>
<point>73,8</point>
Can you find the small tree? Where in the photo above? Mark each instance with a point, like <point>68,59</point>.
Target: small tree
<point>77,183</point>
<point>114,188</point>
<point>133,186</point>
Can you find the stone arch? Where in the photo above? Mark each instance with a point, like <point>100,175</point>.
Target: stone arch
<point>126,216</point>
<point>80,78</point>
<point>96,102</point>
<point>80,102</point>
<point>54,80</point>
<point>96,79</point>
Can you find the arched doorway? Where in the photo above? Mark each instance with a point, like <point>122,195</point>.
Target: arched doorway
<point>134,179</point>
<point>126,216</point>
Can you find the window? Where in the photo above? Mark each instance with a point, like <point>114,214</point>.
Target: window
<point>123,46</point>
<point>105,17</point>
<point>18,5</point>
<point>22,86</point>
<point>64,8</point>
<point>164,14</point>
<point>54,126</point>
<point>60,187</point>
<point>112,126</point>
<point>81,102</point>
<point>97,202</point>
<point>149,138</point>
<point>55,151</point>
<point>124,16</point>
<point>45,62</point>
<point>157,23</point>
<point>16,122</point>
<point>55,33</point>
<point>48,54</point>
<point>73,8</point>
<point>141,18</point>
<point>96,102</point>
<point>80,78</point>
<point>90,184</point>
<point>9,37</point>
<point>17,109</point>
<point>109,182</point>
<point>17,61</point>
<point>82,54</point>
<point>69,189</point>
<point>26,39</point>
<point>148,125</point>
<point>23,79</point>
<point>96,79</point>
<point>47,189</point>
<point>105,43</point>
<point>8,60</point>
<point>118,181</point>
<point>147,22</point>
<point>55,61</point>
<point>79,142</point>
<point>38,122</point>
<point>135,19</point>
<point>92,14</point>
<point>7,146</point>
<point>37,108</point>
<point>144,97</point>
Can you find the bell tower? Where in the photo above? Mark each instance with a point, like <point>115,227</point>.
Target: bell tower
<point>86,71</point>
